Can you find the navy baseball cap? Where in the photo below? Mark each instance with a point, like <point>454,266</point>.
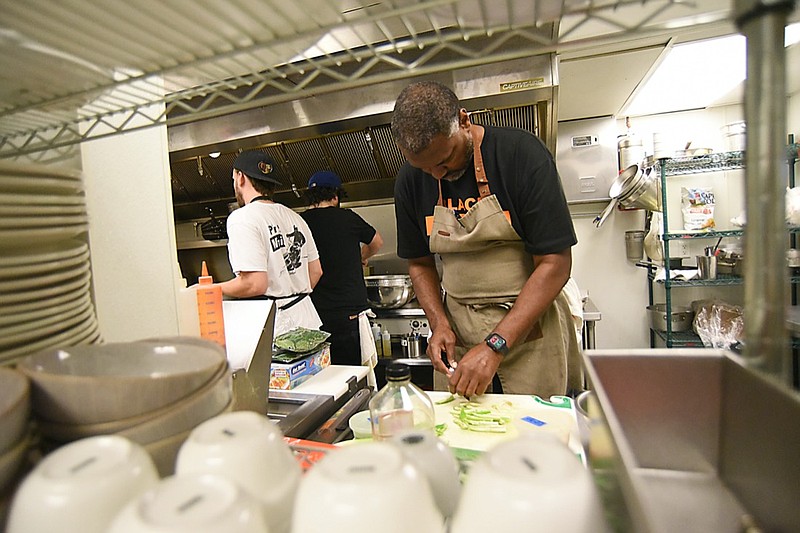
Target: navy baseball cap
<point>325,178</point>
<point>258,165</point>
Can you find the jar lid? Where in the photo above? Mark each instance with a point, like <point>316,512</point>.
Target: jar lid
<point>397,371</point>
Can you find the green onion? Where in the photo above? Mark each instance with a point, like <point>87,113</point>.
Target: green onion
<point>473,416</point>
<point>446,400</point>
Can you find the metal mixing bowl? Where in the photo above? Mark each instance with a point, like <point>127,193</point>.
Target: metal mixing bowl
<point>389,291</point>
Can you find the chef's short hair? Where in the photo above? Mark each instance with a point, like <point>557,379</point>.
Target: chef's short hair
<point>422,111</point>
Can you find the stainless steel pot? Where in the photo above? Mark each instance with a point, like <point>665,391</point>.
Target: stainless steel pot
<point>389,291</point>
<point>636,188</point>
<point>681,317</point>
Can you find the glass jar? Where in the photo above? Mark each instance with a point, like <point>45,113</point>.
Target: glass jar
<point>400,405</point>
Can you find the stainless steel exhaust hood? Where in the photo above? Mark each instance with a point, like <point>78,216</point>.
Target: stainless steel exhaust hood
<point>347,132</point>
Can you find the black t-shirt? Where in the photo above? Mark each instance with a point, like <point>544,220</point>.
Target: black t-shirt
<point>521,173</point>
<point>338,234</point>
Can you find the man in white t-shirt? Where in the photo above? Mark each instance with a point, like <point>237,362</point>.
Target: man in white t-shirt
<point>270,247</point>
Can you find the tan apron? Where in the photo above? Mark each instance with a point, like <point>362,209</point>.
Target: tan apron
<point>485,266</point>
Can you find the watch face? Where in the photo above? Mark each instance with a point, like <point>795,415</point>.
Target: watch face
<point>496,342</point>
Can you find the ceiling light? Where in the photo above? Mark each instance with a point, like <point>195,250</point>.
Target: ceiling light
<point>791,34</point>
<point>213,155</point>
<point>691,76</point>
<point>697,74</point>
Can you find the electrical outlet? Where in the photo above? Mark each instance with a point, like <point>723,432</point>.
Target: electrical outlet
<point>678,248</point>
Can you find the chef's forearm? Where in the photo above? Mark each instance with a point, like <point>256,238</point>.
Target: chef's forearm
<point>246,285</point>
<point>543,286</point>
<point>428,290</point>
<point>368,250</point>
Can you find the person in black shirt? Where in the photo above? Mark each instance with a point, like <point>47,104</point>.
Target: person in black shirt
<point>340,295</point>
<point>488,202</point>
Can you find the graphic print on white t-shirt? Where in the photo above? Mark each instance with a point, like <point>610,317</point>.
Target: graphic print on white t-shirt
<point>291,256</point>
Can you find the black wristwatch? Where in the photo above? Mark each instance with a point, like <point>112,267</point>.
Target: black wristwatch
<point>496,342</point>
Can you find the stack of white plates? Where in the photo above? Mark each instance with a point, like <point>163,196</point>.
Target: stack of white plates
<point>45,265</point>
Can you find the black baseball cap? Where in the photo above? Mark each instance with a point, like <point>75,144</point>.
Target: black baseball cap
<point>258,166</point>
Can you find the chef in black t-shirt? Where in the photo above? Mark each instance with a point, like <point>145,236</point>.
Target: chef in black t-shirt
<point>488,202</point>
<point>345,242</point>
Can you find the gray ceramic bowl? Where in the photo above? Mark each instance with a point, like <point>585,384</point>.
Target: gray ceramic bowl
<point>107,382</point>
<point>182,415</point>
<point>14,407</point>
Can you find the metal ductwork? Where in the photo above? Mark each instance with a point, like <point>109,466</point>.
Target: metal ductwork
<point>347,132</point>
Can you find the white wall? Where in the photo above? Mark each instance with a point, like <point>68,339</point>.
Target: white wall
<point>131,234</point>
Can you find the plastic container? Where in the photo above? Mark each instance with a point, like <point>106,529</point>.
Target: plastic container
<point>188,320</point>
<point>209,308</point>
<point>376,335</point>
<point>361,425</point>
<point>734,135</point>
<point>400,405</point>
<point>386,343</point>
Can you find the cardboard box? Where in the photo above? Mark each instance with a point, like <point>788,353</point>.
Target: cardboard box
<point>286,376</point>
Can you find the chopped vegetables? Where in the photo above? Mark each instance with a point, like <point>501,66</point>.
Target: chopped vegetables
<point>440,429</point>
<point>445,400</point>
<point>474,416</point>
<point>300,339</point>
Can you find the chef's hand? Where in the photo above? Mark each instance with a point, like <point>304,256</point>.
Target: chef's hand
<point>475,371</point>
<point>442,345</point>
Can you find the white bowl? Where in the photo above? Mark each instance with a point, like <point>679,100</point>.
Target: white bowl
<point>191,504</point>
<point>365,488</point>
<point>182,415</point>
<point>436,462</point>
<point>533,479</point>
<point>80,487</point>
<point>107,382</point>
<point>14,407</point>
<point>249,449</point>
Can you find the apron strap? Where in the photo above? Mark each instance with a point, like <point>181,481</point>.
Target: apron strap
<point>297,299</point>
<point>480,171</point>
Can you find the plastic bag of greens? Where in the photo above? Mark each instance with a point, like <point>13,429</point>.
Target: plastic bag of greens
<point>300,339</point>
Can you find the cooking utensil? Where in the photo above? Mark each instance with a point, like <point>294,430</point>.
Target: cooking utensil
<point>389,291</point>
<point>680,318</point>
<point>414,345</point>
<point>645,195</point>
<point>625,182</point>
<point>599,219</point>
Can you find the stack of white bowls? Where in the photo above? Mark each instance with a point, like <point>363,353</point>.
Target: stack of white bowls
<point>365,488</point>
<point>152,392</point>
<point>81,487</point>
<point>44,261</point>
<point>534,480</point>
<point>248,449</point>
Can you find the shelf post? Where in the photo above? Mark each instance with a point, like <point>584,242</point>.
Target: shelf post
<point>766,287</point>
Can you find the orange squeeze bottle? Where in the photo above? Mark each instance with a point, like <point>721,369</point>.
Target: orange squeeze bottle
<point>209,308</point>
